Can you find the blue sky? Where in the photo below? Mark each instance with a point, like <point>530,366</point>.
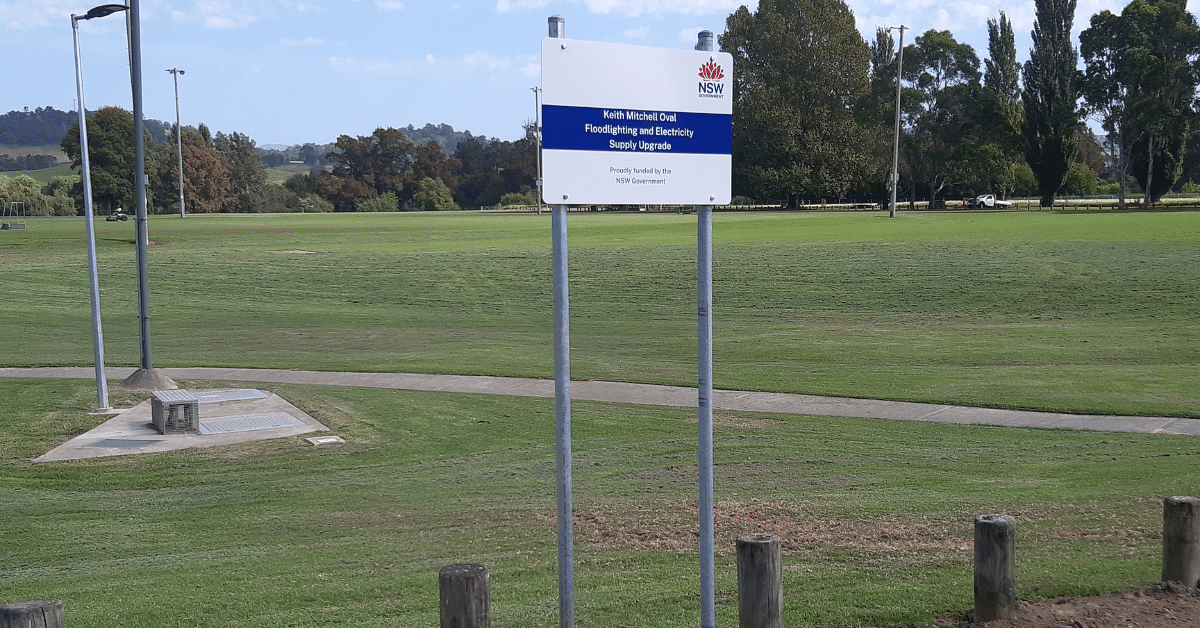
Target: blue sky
<point>295,71</point>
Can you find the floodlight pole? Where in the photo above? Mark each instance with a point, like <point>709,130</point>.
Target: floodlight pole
<point>562,397</point>
<point>896,139</point>
<point>175,72</point>
<point>85,163</point>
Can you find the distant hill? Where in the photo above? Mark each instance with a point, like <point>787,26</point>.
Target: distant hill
<point>31,132</point>
<point>47,126</point>
<point>443,134</point>
<point>43,126</point>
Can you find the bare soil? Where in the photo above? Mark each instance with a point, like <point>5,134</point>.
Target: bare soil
<point>1164,605</point>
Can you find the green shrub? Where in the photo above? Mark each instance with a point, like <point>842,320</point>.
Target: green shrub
<point>517,199</point>
<point>385,203</point>
<point>433,196</point>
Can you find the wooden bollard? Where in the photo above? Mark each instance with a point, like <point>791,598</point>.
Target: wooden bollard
<point>465,596</point>
<point>32,614</point>
<point>1181,540</point>
<point>995,537</point>
<point>760,581</point>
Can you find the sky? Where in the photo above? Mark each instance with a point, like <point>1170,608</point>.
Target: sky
<point>286,72</point>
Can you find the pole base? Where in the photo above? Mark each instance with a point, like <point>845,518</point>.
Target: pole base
<point>148,379</point>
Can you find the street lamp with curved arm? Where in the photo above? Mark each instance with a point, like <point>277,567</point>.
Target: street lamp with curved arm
<point>85,164</point>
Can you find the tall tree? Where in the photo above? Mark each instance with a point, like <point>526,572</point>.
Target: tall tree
<point>1106,86</point>
<point>1002,73</point>
<point>945,75</point>
<point>1000,103</point>
<point>1141,77</point>
<point>110,155</point>
<point>799,68</point>
<point>1052,117</point>
<point>205,177</point>
<point>247,191</point>
<point>1164,106</point>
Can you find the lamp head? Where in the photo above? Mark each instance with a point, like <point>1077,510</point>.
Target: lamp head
<point>104,10</point>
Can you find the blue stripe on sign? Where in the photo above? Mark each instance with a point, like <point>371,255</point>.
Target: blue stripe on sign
<point>636,130</point>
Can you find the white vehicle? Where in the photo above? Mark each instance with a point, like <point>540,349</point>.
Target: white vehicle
<point>989,201</point>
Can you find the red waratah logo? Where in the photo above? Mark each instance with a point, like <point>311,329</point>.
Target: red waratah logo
<point>711,71</point>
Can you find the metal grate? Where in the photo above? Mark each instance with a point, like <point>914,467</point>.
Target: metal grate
<point>249,422</point>
<point>171,396</point>
<point>232,394</point>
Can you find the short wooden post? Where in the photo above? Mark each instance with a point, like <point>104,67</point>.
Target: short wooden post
<point>32,614</point>
<point>995,537</point>
<point>760,581</point>
<point>465,596</point>
<point>1181,540</point>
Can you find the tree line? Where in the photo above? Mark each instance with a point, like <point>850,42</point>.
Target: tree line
<point>814,107</point>
<point>815,104</point>
<point>27,162</point>
<point>384,171</point>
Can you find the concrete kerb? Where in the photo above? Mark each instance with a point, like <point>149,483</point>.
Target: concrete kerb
<point>648,394</point>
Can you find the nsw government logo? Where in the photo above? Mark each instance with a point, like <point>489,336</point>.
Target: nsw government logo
<point>710,83</point>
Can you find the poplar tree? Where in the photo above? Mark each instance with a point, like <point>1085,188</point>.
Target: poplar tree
<point>1052,118</point>
<point>1000,103</point>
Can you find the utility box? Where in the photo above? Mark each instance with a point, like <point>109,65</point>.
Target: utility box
<point>175,412</point>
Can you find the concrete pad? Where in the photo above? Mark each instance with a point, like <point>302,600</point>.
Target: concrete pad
<point>247,417</point>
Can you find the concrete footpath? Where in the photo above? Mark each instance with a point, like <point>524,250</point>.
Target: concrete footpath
<point>647,394</point>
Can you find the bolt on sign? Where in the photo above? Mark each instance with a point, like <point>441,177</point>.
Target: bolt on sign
<point>633,125</point>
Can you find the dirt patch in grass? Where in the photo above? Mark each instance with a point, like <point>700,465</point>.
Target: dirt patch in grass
<point>1166,605</point>
<point>673,525</point>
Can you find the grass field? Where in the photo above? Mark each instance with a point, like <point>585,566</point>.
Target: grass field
<point>875,516</point>
<point>280,174</point>
<point>1085,312</point>
<point>44,175</point>
<point>1092,313</point>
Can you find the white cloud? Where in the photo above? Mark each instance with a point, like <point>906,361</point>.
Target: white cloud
<point>532,70</point>
<point>223,14</point>
<point>634,33</point>
<point>389,5</point>
<point>487,61</point>
<point>307,41</point>
<point>506,6</point>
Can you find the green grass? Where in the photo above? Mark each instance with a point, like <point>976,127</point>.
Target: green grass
<point>280,174</point>
<point>44,175</point>
<point>1085,312</point>
<point>876,516</point>
<point>1091,313</point>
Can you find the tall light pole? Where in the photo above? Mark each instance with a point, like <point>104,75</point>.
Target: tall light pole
<point>896,139</point>
<point>537,127</point>
<point>175,72</point>
<point>93,273</point>
<point>145,378</point>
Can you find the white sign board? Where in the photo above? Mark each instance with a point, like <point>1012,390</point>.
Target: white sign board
<point>631,125</point>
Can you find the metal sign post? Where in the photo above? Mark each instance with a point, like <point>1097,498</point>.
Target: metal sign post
<point>562,398</point>
<point>660,135</point>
